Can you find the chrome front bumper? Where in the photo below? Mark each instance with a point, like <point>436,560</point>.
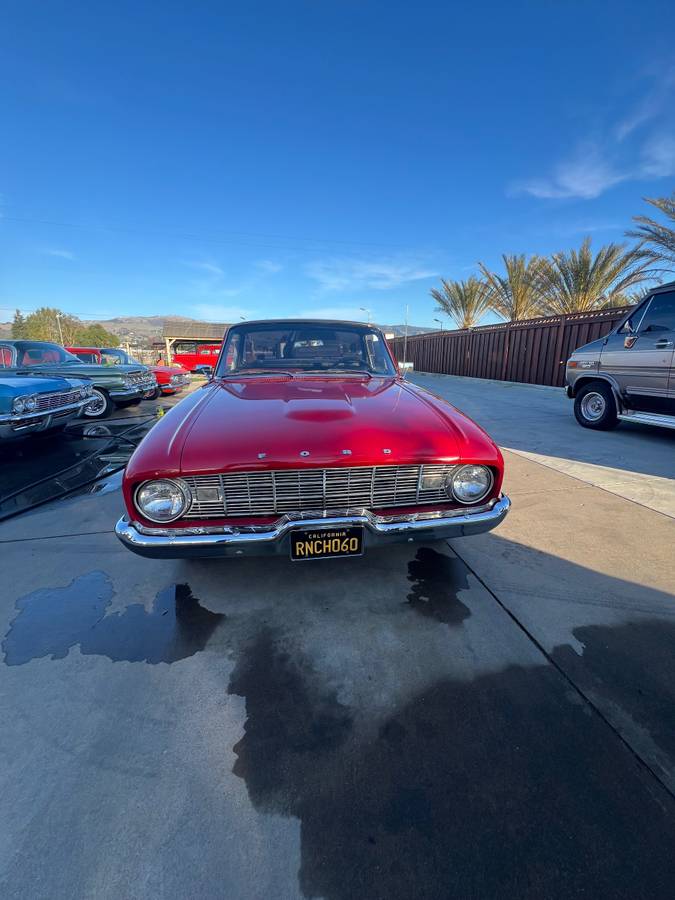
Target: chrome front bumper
<point>139,389</point>
<point>15,425</point>
<point>273,540</point>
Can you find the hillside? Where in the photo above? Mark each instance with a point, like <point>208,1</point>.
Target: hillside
<point>142,329</point>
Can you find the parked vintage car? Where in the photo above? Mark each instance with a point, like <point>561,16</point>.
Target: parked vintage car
<point>170,379</point>
<point>308,442</point>
<point>629,375</point>
<point>112,385</point>
<point>86,354</point>
<point>31,403</point>
<point>200,357</point>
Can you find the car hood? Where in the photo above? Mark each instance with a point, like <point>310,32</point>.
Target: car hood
<point>91,370</point>
<point>592,347</point>
<point>16,385</point>
<point>266,423</point>
<point>169,370</point>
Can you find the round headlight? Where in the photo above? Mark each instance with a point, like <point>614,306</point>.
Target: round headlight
<point>471,483</point>
<point>19,404</point>
<point>163,500</point>
<point>30,403</point>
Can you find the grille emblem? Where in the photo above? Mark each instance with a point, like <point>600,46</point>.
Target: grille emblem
<point>386,450</point>
<point>346,452</point>
<point>304,453</point>
<point>262,455</point>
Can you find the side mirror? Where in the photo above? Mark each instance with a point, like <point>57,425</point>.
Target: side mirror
<point>205,370</point>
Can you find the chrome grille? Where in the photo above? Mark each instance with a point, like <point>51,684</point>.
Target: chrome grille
<point>55,401</point>
<point>298,490</point>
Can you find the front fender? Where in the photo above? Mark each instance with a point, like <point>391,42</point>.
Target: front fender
<point>595,376</point>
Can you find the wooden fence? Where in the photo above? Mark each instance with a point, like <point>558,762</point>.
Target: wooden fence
<point>533,351</point>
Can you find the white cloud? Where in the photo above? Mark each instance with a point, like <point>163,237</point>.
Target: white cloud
<point>269,266</point>
<point>60,254</point>
<point>378,275</point>
<point>210,268</point>
<point>658,156</point>
<point>586,175</point>
<point>651,106</point>
<point>611,158</point>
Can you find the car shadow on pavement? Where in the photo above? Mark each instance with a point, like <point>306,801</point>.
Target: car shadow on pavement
<point>497,774</point>
<point>504,786</point>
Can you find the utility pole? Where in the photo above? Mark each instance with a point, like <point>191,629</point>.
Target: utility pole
<point>405,337</point>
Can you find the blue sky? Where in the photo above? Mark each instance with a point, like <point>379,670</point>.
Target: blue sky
<point>251,159</point>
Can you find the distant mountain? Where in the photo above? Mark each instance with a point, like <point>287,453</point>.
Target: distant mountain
<point>399,330</point>
<point>142,329</point>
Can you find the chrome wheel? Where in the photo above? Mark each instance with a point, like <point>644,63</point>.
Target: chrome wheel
<point>593,406</point>
<point>97,407</point>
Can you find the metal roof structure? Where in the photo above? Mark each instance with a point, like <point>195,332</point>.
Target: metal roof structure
<point>195,331</point>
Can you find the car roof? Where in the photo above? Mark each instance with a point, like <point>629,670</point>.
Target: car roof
<point>330,323</point>
<point>668,286</point>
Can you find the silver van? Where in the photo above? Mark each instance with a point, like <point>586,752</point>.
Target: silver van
<point>629,375</point>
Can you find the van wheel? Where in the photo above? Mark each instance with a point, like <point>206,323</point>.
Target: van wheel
<point>595,406</point>
<point>99,407</point>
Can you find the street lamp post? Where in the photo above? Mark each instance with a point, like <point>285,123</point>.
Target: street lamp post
<point>440,322</point>
<point>58,322</point>
<point>365,310</point>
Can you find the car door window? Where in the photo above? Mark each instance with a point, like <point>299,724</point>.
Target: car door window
<point>661,314</point>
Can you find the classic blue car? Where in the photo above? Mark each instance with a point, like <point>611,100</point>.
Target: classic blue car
<point>32,403</point>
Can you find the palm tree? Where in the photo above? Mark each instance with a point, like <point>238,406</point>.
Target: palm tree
<point>658,236</point>
<point>514,295</point>
<point>579,280</point>
<point>464,301</point>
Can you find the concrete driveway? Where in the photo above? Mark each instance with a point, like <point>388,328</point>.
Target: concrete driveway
<point>636,462</point>
<point>490,719</point>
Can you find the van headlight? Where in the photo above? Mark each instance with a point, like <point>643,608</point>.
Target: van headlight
<point>163,500</point>
<point>471,483</point>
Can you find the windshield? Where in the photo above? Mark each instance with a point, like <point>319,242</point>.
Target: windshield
<point>304,347</point>
<point>41,353</point>
<point>112,356</point>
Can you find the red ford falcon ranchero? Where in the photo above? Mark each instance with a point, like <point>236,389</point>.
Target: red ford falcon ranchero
<point>308,442</point>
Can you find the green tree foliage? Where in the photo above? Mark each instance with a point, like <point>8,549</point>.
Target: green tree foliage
<point>96,335</point>
<point>515,294</point>
<point>658,237</point>
<point>464,301</point>
<point>51,324</point>
<point>18,325</point>
<point>580,280</point>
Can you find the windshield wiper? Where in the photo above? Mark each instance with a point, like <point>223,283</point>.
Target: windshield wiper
<point>337,371</point>
<point>248,373</point>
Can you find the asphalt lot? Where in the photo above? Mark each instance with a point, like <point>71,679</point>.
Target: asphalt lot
<point>488,719</point>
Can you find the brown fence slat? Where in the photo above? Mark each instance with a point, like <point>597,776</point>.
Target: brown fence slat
<point>534,351</point>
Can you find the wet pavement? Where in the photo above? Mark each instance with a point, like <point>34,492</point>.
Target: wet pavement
<point>491,719</point>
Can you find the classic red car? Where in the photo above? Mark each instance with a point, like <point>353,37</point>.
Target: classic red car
<point>307,442</point>
<point>170,379</point>
<point>195,356</point>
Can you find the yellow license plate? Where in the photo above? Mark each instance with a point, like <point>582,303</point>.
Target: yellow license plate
<point>325,543</point>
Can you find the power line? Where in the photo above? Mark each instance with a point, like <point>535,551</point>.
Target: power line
<point>89,315</point>
<point>225,237</point>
